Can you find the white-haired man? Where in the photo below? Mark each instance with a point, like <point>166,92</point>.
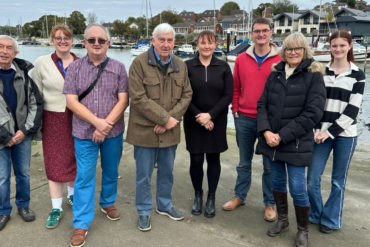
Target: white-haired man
<point>160,93</point>
<point>20,118</point>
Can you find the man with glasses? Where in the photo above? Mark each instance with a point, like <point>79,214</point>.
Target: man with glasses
<point>250,74</point>
<point>20,118</point>
<point>160,93</point>
<point>97,125</point>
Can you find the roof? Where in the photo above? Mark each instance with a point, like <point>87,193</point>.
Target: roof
<point>315,13</point>
<point>354,18</point>
<point>208,13</point>
<point>295,16</point>
<point>186,14</point>
<point>183,24</point>
<point>233,19</point>
<point>355,12</point>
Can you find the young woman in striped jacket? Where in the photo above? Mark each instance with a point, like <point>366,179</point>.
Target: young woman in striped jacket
<point>337,131</point>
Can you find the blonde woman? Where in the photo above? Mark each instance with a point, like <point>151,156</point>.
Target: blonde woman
<point>291,104</point>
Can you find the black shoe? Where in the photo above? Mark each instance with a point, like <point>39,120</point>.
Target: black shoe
<point>196,209</point>
<point>26,214</point>
<point>210,210</point>
<point>325,229</point>
<point>3,221</point>
<point>144,223</point>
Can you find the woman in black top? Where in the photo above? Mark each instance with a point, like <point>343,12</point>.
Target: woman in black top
<point>206,118</point>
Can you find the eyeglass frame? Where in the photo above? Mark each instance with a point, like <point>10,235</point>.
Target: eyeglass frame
<point>65,39</point>
<point>263,31</point>
<point>92,41</point>
<point>295,49</point>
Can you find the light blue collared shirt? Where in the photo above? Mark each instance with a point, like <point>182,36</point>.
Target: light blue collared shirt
<point>159,59</point>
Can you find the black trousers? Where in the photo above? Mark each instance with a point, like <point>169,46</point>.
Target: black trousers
<point>213,170</point>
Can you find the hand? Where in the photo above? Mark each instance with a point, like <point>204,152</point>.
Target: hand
<point>236,114</point>
<point>320,137</point>
<point>103,126</point>
<point>203,118</point>
<point>210,125</point>
<point>272,139</point>
<point>171,123</point>
<point>98,136</point>
<point>159,129</point>
<point>16,139</point>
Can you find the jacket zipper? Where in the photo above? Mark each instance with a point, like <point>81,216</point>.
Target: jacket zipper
<point>206,74</point>
<point>273,155</point>
<point>296,143</point>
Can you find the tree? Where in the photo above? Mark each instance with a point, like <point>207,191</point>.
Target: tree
<point>167,16</point>
<point>119,28</point>
<point>92,18</point>
<point>258,11</point>
<point>281,6</point>
<point>76,22</point>
<point>351,3</point>
<point>228,7</point>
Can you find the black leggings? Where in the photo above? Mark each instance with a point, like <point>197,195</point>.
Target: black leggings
<point>213,170</point>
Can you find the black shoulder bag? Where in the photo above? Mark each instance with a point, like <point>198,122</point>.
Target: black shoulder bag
<point>92,85</point>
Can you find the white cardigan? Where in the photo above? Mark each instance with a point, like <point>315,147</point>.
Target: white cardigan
<point>50,83</point>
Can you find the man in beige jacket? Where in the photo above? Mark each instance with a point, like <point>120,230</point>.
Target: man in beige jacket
<point>160,93</point>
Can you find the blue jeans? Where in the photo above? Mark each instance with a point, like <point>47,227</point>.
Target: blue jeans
<point>329,214</point>
<point>296,178</point>
<point>246,135</point>
<point>20,156</point>
<point>87,153</point>
<point>145,160</point>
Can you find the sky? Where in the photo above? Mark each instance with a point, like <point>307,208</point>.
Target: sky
<point>22,11</point>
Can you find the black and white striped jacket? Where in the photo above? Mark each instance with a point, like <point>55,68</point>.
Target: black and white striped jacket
<point>344,98</point>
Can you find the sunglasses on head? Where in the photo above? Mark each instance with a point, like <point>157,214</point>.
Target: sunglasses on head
<point>100,41</point>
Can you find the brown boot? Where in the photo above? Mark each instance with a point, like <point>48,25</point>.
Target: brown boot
<point>282,225</point>
<point>78,237</point>
<point>232,204</point>
<point>302,214</point>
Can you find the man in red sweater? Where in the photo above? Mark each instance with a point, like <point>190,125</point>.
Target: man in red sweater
<point>250,74</point>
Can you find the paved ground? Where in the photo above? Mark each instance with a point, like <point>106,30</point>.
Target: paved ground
<point>242,227</point>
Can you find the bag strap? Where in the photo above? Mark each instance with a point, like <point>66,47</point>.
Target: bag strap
<point>92,85</point>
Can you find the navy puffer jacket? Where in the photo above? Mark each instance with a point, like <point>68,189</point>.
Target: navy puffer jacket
<point>291,108</point>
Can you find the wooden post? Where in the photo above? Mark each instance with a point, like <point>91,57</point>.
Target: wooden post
<point>365,61</point>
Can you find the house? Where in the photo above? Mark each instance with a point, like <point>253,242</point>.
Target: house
<point>184,28</point>
<point>349,12</point>
<point>358,25</point>
<point>235,25</point>
<point>208,15</point>
<point>188,16</point>
<point>286,22</point>
<point>134,26</point>
<point>309,21</point>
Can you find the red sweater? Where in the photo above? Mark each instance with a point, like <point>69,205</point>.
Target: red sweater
<point>250,79</point>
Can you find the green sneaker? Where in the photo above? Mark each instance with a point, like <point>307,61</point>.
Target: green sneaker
<point>54,217</point>
<point>70,200</point>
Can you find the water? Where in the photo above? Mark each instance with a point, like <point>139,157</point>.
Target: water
<point>30,53</point>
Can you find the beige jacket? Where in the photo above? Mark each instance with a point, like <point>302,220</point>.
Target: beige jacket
<point>154,98</point>
<point>50,83</point>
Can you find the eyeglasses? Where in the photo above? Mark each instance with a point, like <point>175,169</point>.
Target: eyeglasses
<point>162,40</point>
<point>101,41</point>
<point>264,31</point>
<point>295,49</point>
<point>65,39</point>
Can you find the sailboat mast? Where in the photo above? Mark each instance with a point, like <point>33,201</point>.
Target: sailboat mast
<point>147,22</point>
<point>214,16</point>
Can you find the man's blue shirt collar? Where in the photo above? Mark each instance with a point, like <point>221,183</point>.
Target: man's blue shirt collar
<point>159,59</point>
